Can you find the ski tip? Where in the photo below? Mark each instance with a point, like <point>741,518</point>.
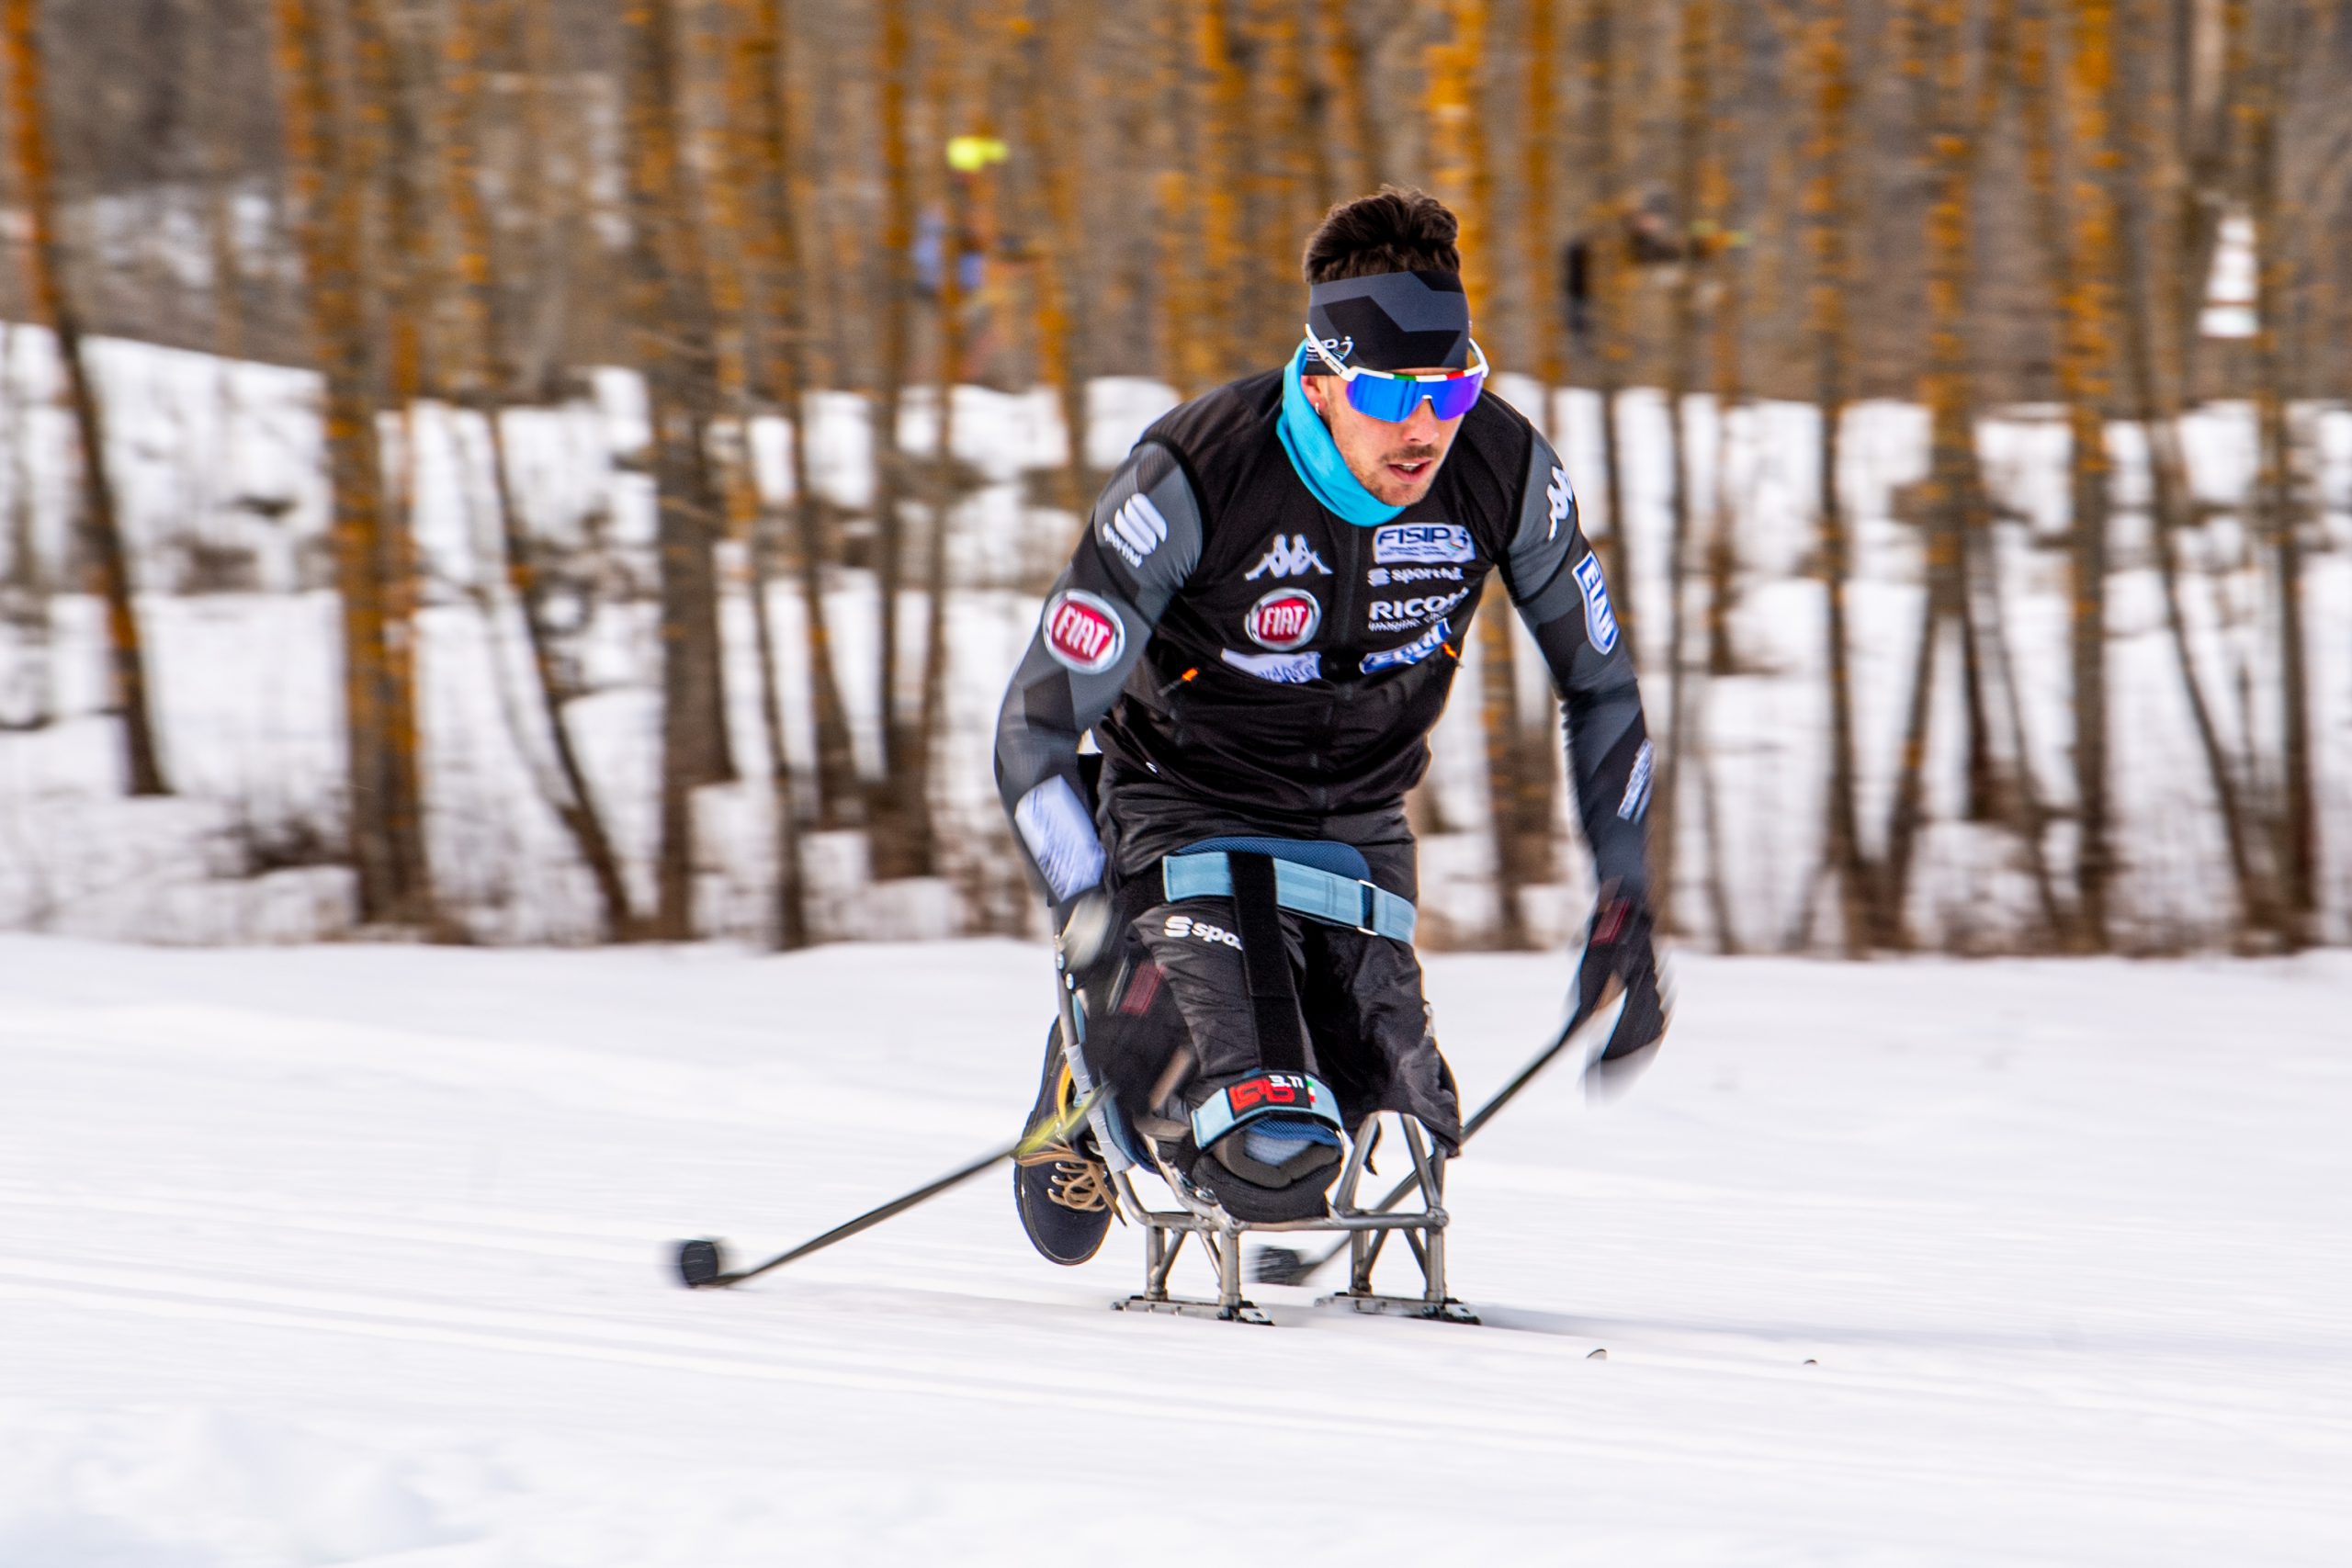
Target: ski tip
<point>701,1264</point>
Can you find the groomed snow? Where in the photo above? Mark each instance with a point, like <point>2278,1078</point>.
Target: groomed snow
<point>356,1255</point>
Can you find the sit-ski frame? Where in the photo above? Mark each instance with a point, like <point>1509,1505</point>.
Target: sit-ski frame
<point>1165,1230</point>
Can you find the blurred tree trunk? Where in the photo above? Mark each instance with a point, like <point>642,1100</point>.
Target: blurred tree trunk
<point>893,796</point>
<point>1350,136</point>
<point>1829,228</point>
<point>329,186</point>
<point>1183,358</point>
<point>2153,393</point>
<point>53,308</point>
<point>2085,372</point>
<point>481,299</point>
<point>1047,74</point>
<point>1731,393</point>
<point>2280,37</point>
<point>1948,388</point>
<point>1605,250</point>
<point>763,156</point>
<point>1694,86</point>
<point>669,310</point>
<point>1538,239</point>
<point>1220,108</point>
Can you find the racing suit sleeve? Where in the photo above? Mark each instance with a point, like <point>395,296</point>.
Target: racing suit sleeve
<point>1141,544</point>
<point>1556,584</point>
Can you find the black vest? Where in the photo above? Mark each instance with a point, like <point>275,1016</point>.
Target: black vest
<point>1303,664</point>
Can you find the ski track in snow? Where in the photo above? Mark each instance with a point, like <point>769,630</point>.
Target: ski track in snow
<point>348,1255</point>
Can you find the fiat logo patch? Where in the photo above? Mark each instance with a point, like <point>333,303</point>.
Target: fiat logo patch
<point>1285,619</point>
<point>1083,633</point>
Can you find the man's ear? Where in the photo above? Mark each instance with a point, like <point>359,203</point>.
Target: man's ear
<point>1318,390</point>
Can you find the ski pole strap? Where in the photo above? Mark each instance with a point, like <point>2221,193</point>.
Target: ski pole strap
<point>1303,889</point>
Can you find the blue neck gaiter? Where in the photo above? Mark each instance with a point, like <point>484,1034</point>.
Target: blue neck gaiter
<point>1316,457</point>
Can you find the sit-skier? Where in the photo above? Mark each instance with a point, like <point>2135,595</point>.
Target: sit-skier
<point>1260,626</point>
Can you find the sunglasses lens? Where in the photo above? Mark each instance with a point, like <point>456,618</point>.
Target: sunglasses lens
<point>1384,398</point>
<point>1452,400</point>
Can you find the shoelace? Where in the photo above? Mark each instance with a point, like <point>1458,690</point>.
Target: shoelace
<point>1079,1185</point>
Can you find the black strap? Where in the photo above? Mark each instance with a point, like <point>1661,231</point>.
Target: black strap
<point>1265,963</point>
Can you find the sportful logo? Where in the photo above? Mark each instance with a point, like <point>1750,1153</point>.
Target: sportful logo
<point>1561,497</point>
<point>1412,544</point>
<point>1135,529</point>
<point>1285,619</point>
<point>1382,576</point>
<point>1396,614</point>
<point>1287,557</point>
<point>1600,620</point>
<point>1637,787</point>
<point>1282,669</point>
<point>1200,931</point>
<point>1082,632</point>
<point>1412,653</point>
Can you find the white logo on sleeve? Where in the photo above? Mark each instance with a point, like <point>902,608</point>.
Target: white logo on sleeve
<point>1561,497</point>
<point>1135,529</point>
<point>1287,557</point>
<point>1600,620</point>
<point>1637,787</point>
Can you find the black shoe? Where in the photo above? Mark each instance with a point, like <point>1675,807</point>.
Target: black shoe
<point>1062,1191</point>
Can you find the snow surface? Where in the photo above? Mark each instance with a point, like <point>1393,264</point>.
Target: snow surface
<point>342,1254</point>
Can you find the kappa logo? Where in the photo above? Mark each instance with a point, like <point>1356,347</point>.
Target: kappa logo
<point>1201,931</point>
<point>1282,669</point>
<point>1382,576</point>
<point>1287,557</point>
<point>1083,633</point>
<point>1412,653</point>
<point>1600,620</point>
<point>1285,619</point>
<point>1396,614</point>
<point>1135,529</point>
<point>1561,497</point>
<point>1422,543</point>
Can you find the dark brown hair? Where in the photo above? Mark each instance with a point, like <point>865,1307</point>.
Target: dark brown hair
<point>1396,230</point>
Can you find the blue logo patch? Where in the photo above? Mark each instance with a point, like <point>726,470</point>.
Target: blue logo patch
<point>1282,669</point>
<point>1412,653</point>
<point>1421,544</point>
<point>1600,620</point>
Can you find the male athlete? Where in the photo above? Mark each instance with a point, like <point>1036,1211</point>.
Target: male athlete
<point>1259,627</point>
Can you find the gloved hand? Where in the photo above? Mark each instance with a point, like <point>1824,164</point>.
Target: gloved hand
<point>1620,954</point>
<point>1082,928</point>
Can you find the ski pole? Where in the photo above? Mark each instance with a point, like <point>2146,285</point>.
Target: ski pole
<point>703,1265</point>
<point>1282,1265</point>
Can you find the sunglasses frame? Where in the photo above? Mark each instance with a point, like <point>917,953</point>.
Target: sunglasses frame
<point>1350,373</point>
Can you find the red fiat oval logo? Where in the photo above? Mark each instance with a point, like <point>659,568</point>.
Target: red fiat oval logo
<point>1285,619</point>
<point>1083,632</point>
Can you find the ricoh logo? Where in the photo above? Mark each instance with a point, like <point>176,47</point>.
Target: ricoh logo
<point>1392,614</point>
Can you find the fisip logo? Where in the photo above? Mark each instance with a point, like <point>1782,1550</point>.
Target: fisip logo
<point>1083,633</point>
<point>1285,619</point>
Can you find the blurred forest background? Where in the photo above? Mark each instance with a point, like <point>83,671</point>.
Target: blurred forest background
<point>2078,266</point>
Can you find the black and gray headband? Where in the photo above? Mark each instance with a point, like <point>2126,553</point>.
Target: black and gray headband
<point>1391,320</point>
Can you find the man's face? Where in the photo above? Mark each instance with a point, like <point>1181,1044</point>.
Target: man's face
<point>1397,462</point>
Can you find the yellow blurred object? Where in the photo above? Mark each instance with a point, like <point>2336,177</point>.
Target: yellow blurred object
<point>970,154</point>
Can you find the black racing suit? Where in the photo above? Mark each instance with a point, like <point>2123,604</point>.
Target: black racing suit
<point>1251,663</point>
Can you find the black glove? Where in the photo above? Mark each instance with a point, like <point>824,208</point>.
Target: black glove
<point>1620,955</point>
